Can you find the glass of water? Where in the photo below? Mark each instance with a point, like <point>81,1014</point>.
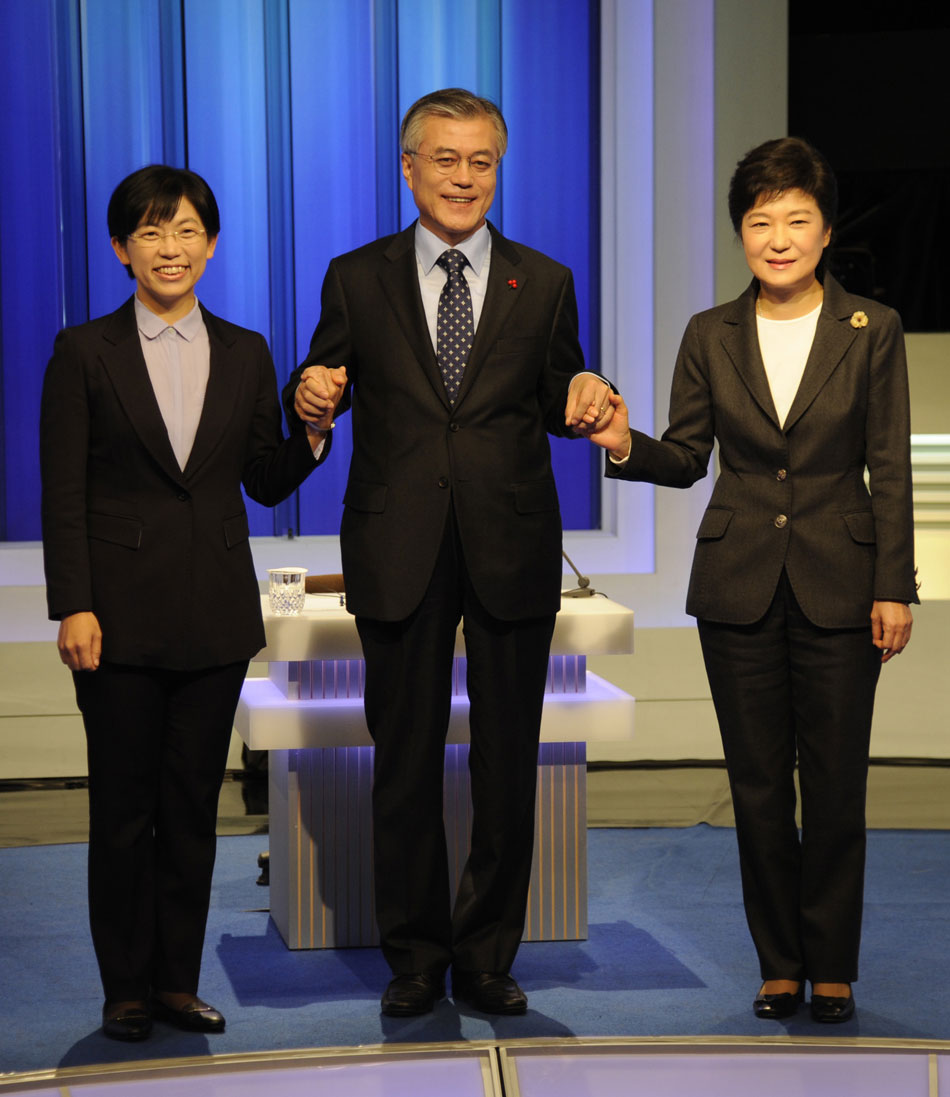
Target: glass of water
<point>286,590</point>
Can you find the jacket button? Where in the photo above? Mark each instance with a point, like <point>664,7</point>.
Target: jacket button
<point>781,521</point>
<point>781,474</point>
<point>443,481</point>
<point>183,497</point>
<point>453,427</point>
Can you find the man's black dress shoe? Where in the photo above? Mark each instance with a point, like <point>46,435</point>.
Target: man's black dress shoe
<point>131,1022</point>
<point>831,1010</point>
<point>774,1007</point>
<point>410,995</point>
<point>490,992</point>
<point>196,1016</point>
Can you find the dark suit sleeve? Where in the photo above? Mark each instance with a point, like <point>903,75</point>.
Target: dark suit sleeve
<point>888,463</point>
<point>331,345</point>
<point>275,466</point>
<point>565,360</point>
<point>64,444</point>
<point>681,456</point>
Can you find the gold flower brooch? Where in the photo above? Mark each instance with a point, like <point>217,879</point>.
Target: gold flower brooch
<point>859,319</point>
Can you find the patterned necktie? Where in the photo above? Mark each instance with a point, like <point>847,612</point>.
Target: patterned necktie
<point>455,328</point>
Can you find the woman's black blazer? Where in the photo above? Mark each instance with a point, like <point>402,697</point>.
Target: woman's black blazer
<point>160,554</point>
<point>792,496</point>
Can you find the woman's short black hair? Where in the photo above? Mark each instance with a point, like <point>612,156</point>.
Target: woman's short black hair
<point>154,193</point>
<point>774,167</point>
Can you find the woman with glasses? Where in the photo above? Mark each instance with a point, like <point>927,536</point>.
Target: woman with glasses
<point>152,420</point>
<point>802,575</point>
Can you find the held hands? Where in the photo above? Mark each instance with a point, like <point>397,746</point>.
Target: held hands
<point>612,433</point>
<point>80,641</point>
<point>317,396</point>
<point>891,623</point>
<point>597,413</point>
<point>587,407</point>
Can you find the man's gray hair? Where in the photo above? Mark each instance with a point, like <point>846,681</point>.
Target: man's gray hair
<point>449,103</point>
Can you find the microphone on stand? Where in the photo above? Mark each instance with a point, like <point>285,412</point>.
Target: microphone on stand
<point>583,588</point>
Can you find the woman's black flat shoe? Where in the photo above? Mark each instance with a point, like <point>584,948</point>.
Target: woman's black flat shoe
<point>133,1022</point>
<point>831,1010</point>
<point>775,1007</point>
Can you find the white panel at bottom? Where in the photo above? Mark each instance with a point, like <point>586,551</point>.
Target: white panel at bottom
<point>459,1073</point>
<point>744,1074</point>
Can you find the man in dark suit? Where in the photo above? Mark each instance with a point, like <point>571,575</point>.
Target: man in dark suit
<point>461,353</point>
<point>152,419</point>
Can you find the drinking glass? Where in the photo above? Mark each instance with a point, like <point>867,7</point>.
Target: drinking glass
<point>285,587</point>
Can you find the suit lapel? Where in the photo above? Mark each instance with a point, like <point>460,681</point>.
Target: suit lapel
<point>225,380</point>
<point>124,362</point>
<point>499,301</point>
<point>741,342</point>
<point>832,339</point>
<point>400,282</point>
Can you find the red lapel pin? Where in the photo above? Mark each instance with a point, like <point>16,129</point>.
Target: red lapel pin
<point>512,283</point>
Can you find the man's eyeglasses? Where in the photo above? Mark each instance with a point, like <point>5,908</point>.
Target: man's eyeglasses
<point>151,238</point>
<point>447,162</point>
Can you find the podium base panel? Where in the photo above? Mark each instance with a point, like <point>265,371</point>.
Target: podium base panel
<point>321,843</point>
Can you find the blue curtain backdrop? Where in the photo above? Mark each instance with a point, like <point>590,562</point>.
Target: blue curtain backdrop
<point>290,109</point>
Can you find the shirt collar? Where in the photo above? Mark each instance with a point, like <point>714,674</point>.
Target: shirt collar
<point>151,326</point>
<point>429,247</point>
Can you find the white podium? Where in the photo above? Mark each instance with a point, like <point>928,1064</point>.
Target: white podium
<point>308,714</point>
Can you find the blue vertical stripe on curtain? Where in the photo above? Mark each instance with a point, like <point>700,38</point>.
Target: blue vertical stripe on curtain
<point>344,185</point>
<point>42,273</point>
<point>121,124</point>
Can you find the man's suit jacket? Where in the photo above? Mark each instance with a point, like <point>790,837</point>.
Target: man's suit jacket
<point>792,496</point>
<point>160,554</point>
<point>412,452</point>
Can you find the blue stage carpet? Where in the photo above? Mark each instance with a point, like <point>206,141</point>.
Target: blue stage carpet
<point>668,954</point>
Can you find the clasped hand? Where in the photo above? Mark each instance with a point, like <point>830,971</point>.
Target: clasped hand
<point>317,396</point>
<point>588,406</point>
<point>600,415</point>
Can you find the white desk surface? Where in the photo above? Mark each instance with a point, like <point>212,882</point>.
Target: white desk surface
<point>584,626</point>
